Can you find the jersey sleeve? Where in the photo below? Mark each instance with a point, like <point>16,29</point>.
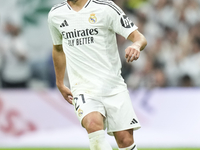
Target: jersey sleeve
<point>55,34</point>
<point>118,21</point>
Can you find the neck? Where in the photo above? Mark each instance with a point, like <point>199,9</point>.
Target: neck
<point>77,4</point>
<point>73,1</point>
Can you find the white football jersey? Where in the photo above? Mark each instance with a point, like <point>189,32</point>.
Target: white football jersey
<point>88,38</point>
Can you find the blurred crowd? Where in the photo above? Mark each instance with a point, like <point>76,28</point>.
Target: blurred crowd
<point>171,59</point>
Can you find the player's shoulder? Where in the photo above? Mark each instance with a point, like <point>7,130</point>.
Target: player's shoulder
<point>103,2</point>
<point>109,5</point>
<point>58,7</point>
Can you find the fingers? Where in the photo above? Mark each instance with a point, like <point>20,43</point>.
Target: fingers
<point>70,99</point>
<point>135,56</point>
<point>132,53</point>
<point>127,51</point>
<point>66,94</point>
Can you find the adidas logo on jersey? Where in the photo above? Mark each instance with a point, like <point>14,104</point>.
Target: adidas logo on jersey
<point>133,121</point>
<point>64,24</point>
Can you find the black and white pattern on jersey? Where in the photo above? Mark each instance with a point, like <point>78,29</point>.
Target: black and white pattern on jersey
<point>126,22</point>
<point>106,2</point>
<point>59,5</point>
<point>87,4</point>
<point>133,147</point>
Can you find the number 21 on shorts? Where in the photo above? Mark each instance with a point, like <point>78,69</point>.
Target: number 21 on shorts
<point>79,101</point>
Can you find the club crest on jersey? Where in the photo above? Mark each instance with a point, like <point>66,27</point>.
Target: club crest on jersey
<point>80,112</point>
<point>92,18</point>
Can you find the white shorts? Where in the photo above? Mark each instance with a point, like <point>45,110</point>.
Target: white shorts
<point>117,110</point>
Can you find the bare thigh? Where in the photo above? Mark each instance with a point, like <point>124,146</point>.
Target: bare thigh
<point>93,121</point>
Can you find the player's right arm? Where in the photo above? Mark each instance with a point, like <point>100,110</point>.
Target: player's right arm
<point>59,66</point>
<point>59,58</point>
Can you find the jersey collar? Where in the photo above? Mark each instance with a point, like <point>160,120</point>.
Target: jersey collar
<point>85,6</point>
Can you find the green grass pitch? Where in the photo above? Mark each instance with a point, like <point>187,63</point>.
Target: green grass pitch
<point>88,149</point>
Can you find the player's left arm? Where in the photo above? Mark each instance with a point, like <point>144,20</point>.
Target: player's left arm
<point>139,43</point>
<point>119,22</point>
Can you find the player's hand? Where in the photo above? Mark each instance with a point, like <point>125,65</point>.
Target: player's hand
<point>132,53</point>
<point>66,93</point>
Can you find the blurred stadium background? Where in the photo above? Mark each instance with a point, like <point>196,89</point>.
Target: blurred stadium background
<point>164,83</point>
